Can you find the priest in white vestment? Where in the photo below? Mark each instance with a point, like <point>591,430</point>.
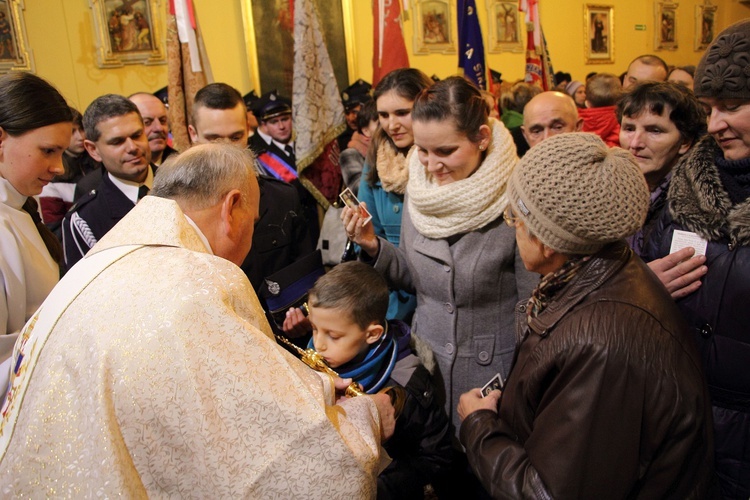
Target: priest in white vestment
<point>151,370</point>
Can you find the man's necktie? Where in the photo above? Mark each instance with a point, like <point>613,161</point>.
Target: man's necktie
<point>289,151</point>
<point>142,191</point>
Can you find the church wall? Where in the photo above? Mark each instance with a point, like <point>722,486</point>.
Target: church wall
<point>61,37</point>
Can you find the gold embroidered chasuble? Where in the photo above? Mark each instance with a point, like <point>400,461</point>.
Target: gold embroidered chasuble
<point>162,378</point>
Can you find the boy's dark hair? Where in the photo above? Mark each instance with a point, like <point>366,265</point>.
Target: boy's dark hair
<point>603,89</point>
<point>368,113</point>
<point>103,108</point>
<point>353,287</point>
<point>686,112</point>
<point>217,96</point>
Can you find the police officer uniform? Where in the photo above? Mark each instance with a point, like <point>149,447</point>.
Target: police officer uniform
<point>92,216</point>
<point>278,163</point>
<point>356,94</point>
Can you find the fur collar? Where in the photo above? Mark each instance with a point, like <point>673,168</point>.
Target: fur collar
<point>699,202</point>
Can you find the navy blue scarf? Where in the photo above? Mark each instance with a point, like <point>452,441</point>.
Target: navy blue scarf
<point>375,370</point>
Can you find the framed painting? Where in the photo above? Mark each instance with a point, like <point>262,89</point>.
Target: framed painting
<point>128,32</point>
<point>704,26</point>
<point>599,34</point>
<point>433,27</point>
<point>15,53</point>
<point>270,43</point>
<point>665,26</point>
<point>505,26</point>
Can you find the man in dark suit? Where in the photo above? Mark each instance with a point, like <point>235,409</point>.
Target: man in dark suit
<point>281,234</point>
<point>273,145</point>
<point>353,97</point>
<point>116,137</point>
<point>273,142</point>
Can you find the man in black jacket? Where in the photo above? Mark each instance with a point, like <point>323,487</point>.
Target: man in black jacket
<point>116,137</point>
<point>281,234</point>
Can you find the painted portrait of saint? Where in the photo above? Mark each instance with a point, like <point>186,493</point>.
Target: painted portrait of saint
<point>129,25</point>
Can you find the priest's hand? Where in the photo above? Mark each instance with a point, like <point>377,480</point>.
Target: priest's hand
<point>472,401</point>
<point>387,414</point>
<point>680,272</point>
<point>361,234</point>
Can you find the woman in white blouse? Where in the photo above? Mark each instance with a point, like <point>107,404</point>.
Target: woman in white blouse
<point>35,129</point>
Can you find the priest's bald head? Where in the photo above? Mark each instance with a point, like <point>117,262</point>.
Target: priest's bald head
<point>216,187</point>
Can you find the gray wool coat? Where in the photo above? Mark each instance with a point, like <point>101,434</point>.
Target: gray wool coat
<point>467,287</point>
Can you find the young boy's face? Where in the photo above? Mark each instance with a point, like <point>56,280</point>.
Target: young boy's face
<point>339,339</point>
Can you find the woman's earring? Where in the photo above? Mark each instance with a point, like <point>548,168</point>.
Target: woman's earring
<point>481,147</point>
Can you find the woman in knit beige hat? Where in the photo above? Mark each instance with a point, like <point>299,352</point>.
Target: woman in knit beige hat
<point>455,250</point>
<point>606,398</point>
<point>709,197</point>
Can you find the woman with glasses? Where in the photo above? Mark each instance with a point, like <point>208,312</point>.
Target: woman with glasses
<point>606,398</point>
<point>456,253</point>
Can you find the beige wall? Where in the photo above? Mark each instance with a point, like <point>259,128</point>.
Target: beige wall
<point>61,37</point>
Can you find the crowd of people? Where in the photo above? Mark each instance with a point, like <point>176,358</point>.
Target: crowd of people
<point>551,304</point>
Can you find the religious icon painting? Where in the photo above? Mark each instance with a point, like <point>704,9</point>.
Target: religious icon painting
<point>128,32</point>
<point>269,32</point>
<point>705,16</point>
<point>599,34</point>
<point>665,26</point>
<point>505,27</point>
<point>15,53</point>
<point>433,27</point>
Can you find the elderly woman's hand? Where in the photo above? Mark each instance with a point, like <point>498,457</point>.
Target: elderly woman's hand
<point>680,272</point>
<point>361,234</point>
<point>472,401</point>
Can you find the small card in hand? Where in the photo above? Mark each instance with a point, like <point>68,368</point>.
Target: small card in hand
<point>496,383</point>
<point>352,202</point>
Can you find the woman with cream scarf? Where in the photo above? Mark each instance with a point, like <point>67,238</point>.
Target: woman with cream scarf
<point>455,252</point>
<point>384,176</point>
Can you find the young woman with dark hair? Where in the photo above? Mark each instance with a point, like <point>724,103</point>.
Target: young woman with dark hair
<point>455,252</point>
<point>385,172</point>
<point>35,129</point>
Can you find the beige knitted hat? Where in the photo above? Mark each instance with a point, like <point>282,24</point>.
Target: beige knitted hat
<point>576,195</point>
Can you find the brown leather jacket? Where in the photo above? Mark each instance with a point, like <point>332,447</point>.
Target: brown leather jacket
<point>606,398</point>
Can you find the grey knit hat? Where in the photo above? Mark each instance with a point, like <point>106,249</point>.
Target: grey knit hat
<point>571,88</point>
<point>724,70</point>
<point>576,195</point>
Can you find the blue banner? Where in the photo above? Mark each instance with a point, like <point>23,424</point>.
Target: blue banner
<point>470,45</point>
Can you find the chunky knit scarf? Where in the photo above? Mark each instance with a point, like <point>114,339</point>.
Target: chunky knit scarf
<point>468,204</point>
<point>392,170</point>
<point>551,284</point>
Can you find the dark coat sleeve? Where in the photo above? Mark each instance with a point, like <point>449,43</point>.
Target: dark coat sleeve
<point>579,441</point>
<point>421,444</point>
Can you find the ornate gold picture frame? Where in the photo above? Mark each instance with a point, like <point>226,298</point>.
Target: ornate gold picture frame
<point>15,53</point>
<point>129,32</point>
<point>599,34</point>
<point>433,27</point>
<point>705,15</point>
<point>505,26</point>
<point>665,26</point>
<point>270,45</point>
